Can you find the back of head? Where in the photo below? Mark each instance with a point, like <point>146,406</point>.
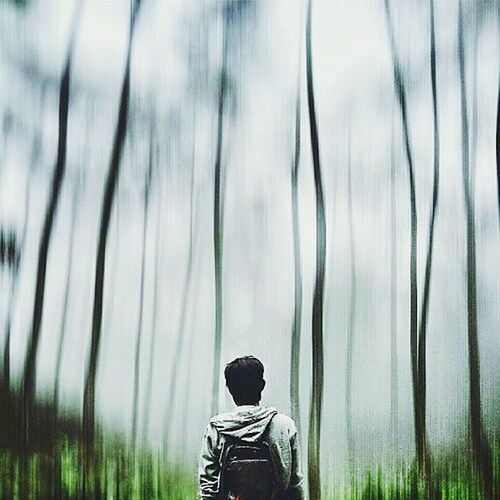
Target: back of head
<point>245,380</point>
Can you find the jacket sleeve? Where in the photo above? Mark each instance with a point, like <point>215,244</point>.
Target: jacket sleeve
<point>296,487</point>
<point>209,467</point>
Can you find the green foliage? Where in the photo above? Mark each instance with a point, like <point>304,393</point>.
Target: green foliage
<point>115,473</point>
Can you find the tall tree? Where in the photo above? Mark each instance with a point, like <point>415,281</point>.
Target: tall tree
<point>137,360</point>
<point>109,195</point>
<point>297,313</point>
<point>422,334</point>
<point>317,312</point>
<point>218,216</point>
<point>67,285</point>
<point>351,329</point>
<point>498,151</point>
<point>420,441</point>
<point>480,446</point>
<point>29,372</point>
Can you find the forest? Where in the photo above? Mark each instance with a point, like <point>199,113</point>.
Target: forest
<point>314,182</point>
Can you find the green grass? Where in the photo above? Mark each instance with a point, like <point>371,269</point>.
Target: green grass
<point>115,473</point>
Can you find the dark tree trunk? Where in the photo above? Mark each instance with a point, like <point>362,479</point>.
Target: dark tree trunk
<point>64,320</point>
<point>109,194</point>
<point>420,442</point>
<point>479,441</point>
<point>218,224</point>
<point>498,152</point>
<point>317,312</point>
<point>29,372</point>
<point>297,314</point>
<point>422,335</point>
<point>137,360</point>
<point>352,318</point>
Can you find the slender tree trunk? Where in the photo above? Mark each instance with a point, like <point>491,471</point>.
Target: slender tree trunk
<point>218,225</point>
<point>498,152</point>
<point>64,320</point>
<point>181,333</point>
<point>154,326</point>
<point>479,441</point>
<point>109,194</point>
<point>394,313</point>
<point>297,314</point>
<point>422,335</point>
<point>314,469</point>
<point>29,372</point>
<point>352,319</point>
<point>420,444</point>
<point>137,360</point>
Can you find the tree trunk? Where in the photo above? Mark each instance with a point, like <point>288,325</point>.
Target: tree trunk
<point>352,319</point>
<point>137,360</point>
<point>218,226</point>
<point>64,320</point>
<point>297,314</point>
<point>422,335</point>
<point>29,372</point>
<point>479,441</point>
<point>317,312</point>
<point>154,326</point>
<point>420,444</point>
<point>181,333</point>
<point>109,194</point>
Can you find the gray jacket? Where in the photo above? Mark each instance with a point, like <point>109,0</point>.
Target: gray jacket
<point>249,423</point>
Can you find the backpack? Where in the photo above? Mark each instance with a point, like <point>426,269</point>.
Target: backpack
<point>248,471</point>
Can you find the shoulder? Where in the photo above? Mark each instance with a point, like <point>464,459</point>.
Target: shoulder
<point>285,422</point>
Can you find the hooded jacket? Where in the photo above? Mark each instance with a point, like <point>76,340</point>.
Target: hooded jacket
<point>251,423</point>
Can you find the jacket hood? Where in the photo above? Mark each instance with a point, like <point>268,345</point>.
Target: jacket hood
<point>246,422</point>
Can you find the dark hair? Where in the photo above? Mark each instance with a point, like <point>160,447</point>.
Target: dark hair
<point>245,379</point>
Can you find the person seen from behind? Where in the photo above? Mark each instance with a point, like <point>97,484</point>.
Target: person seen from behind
<point>252,452</point>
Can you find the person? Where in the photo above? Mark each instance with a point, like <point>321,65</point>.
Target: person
<point>250,423</point>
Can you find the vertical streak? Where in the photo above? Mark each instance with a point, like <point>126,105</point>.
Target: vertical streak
<point>218,221</point>
<point>64,320</point>
<point>394,307</point>
<point>480,446</point>
<point>317,313</point>
<point>107,206</point>
<point>137,360</point>
<point>401,95</point>
<point>352,315</point>
<point>297,315</point>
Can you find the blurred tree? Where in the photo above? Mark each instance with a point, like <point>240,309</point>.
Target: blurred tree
<point>479,440</point>
<point>420,434</point>
<point>145,218</point>
<point>67,286</point>
<point>297,313</point>
<point>314,469</point>
<point>107,206</point>
<point>29,373</point>
<point>422,334</point>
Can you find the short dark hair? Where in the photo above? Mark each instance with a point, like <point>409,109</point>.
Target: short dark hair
<point>245,379</point>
